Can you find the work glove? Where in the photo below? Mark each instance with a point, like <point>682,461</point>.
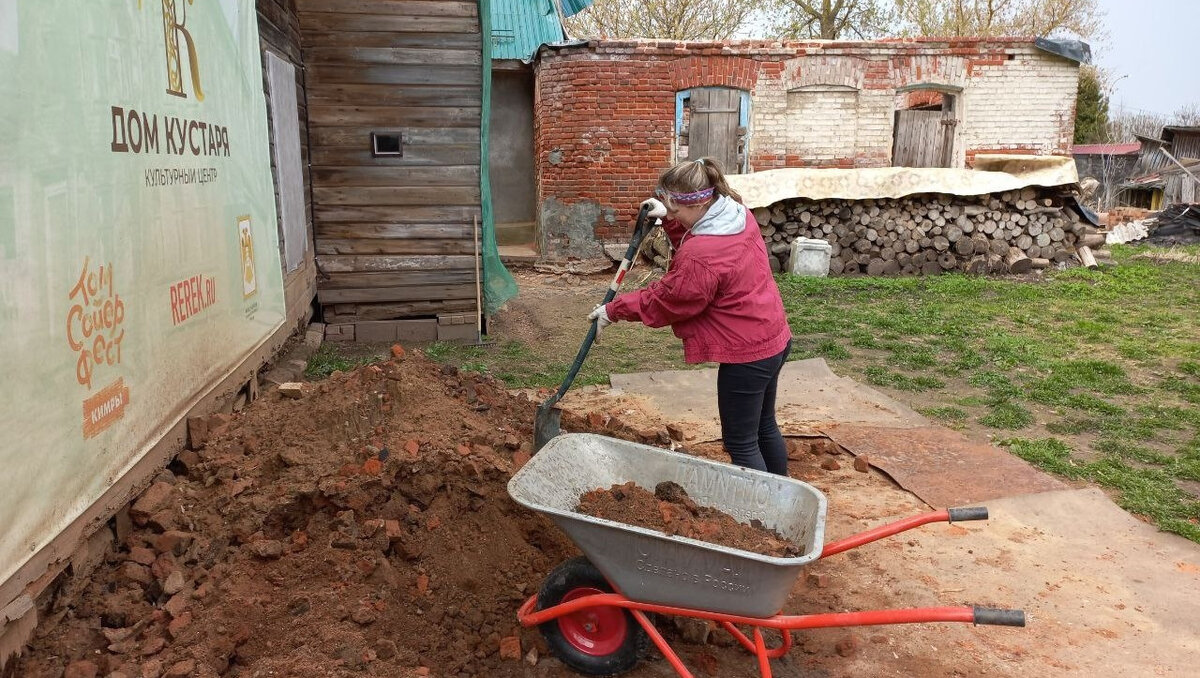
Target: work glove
<point>600,315</point>
<point>657,209</point>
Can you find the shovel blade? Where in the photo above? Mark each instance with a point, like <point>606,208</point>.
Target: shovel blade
<point>546,425</point>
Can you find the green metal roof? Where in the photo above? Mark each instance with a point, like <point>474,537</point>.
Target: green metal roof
<point>520,26</point>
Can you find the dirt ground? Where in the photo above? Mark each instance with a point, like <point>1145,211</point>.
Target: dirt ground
<point>362,527</point>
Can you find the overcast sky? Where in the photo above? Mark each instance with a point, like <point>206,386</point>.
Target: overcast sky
<point>1151,43</point>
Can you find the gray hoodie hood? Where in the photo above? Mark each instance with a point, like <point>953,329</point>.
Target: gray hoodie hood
<point>725,217</point>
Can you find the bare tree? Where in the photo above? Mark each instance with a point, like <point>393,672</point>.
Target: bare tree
<point>1127,122</point>
<point>831,19</point>
<point>950,18</point>
<point>666,19</point>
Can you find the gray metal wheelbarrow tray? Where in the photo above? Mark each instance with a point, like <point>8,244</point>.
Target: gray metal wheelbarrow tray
<point>652,567</point>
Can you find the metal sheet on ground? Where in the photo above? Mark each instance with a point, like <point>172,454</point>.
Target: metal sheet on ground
<point>940,466</point>
<point>809,395</point>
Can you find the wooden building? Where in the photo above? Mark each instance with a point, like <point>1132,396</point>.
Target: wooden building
<point>395,96</point>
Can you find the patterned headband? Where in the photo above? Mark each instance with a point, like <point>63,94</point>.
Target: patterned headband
<point>688,198</point>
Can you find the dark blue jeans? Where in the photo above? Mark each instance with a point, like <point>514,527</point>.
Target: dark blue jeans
<point>746,401</point>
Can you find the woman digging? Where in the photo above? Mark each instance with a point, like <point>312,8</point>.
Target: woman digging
<point>718,297</point>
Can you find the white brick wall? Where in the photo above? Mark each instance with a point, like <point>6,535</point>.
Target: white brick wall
<point>1025,100</point>
<point>822,122</point>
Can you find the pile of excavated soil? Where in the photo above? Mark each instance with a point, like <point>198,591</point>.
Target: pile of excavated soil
<point>360,527</point>
<point>670,510</point>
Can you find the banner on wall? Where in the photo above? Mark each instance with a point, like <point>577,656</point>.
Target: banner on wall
<point>139,256</point>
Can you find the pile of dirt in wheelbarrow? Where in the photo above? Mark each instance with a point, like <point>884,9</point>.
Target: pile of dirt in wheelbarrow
<point>669,509</point>
<point>359,527</point>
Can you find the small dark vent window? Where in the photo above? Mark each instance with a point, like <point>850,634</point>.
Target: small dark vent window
<point>386,144</point>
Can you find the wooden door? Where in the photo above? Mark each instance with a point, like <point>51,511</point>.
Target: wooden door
<point>924,138</point>
<point>713,128</point>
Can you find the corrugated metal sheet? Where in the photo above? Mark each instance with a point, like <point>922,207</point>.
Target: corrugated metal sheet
<point>519,26</point>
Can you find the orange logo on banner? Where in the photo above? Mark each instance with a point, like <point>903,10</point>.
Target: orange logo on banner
<point>104,408</point>
<point>94,321</point>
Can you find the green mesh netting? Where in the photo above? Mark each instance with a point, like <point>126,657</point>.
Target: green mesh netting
<point>498,283</point>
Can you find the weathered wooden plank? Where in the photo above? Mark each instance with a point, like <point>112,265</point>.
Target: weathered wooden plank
<point>393,246</point>
<point>312,22</point>
<point>400,195</point>
<point>384,294</point>
<point>376,116</point>
<point>392,39</point>
<point>387,95</point>
<point>391,56</point>
<point>455,8</point>
<point>351,263</point>
<point>405,310</point>
<point>398,279</point>
<point>353,229</point>
<point>414,137</point>
<point>320,75</point>
<point>458,154</point>
<point>392,215</point>
<point>449,175</point>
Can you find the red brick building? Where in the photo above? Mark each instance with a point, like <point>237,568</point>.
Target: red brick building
<point>610,115</point>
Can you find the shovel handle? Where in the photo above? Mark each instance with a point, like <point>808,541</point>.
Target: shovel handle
<point>638,233</point>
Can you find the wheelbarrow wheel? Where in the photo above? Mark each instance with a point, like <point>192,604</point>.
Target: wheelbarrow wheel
<point>598,641</point>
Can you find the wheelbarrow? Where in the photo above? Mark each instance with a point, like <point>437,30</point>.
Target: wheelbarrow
<point>592,610</point>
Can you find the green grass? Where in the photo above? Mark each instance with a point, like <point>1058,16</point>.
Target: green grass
<point>1108,359</point>
<point>1144,489</point>
<point>330,358</point>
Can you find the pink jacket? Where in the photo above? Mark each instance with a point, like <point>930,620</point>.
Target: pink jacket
<point>718,296</point>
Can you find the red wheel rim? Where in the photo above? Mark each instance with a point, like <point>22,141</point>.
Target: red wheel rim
<point>597,631</point>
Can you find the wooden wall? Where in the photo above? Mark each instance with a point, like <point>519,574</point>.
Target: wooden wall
<point>394,235</point>
<point>279,32</point>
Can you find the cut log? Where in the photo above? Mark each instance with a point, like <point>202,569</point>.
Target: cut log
<point>1017,262</point>
<point>1039,263</point>
<point>1092,240</point>
<point>1085,257</point>
<point>977,265</point>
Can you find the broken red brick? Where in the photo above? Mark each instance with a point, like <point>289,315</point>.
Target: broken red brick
<point>372,467</point>
<point>412,447</point>
<point>397,351</point>
<point>392,529</point>
<point>830,464</point>
<point>520,458</point>
<point>861,464</point>
<point>422,584</point>
<point>177,605</point>
<point>173,541</point>
<point>142,555</point>
<point>676,432</point>
<point>847,646</point>
<point>510,648</point>
<point>178,624</point>
<point>136,573</point>
<point>464,450</point>
<point>181,669</point>
<point>819,581</point>
<point>434,523</point>
<point>156,498</point>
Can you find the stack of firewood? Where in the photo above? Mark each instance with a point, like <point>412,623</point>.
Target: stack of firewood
<point>1010,232</point>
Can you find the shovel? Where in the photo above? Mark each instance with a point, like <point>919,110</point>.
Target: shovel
<point>546,424</point>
